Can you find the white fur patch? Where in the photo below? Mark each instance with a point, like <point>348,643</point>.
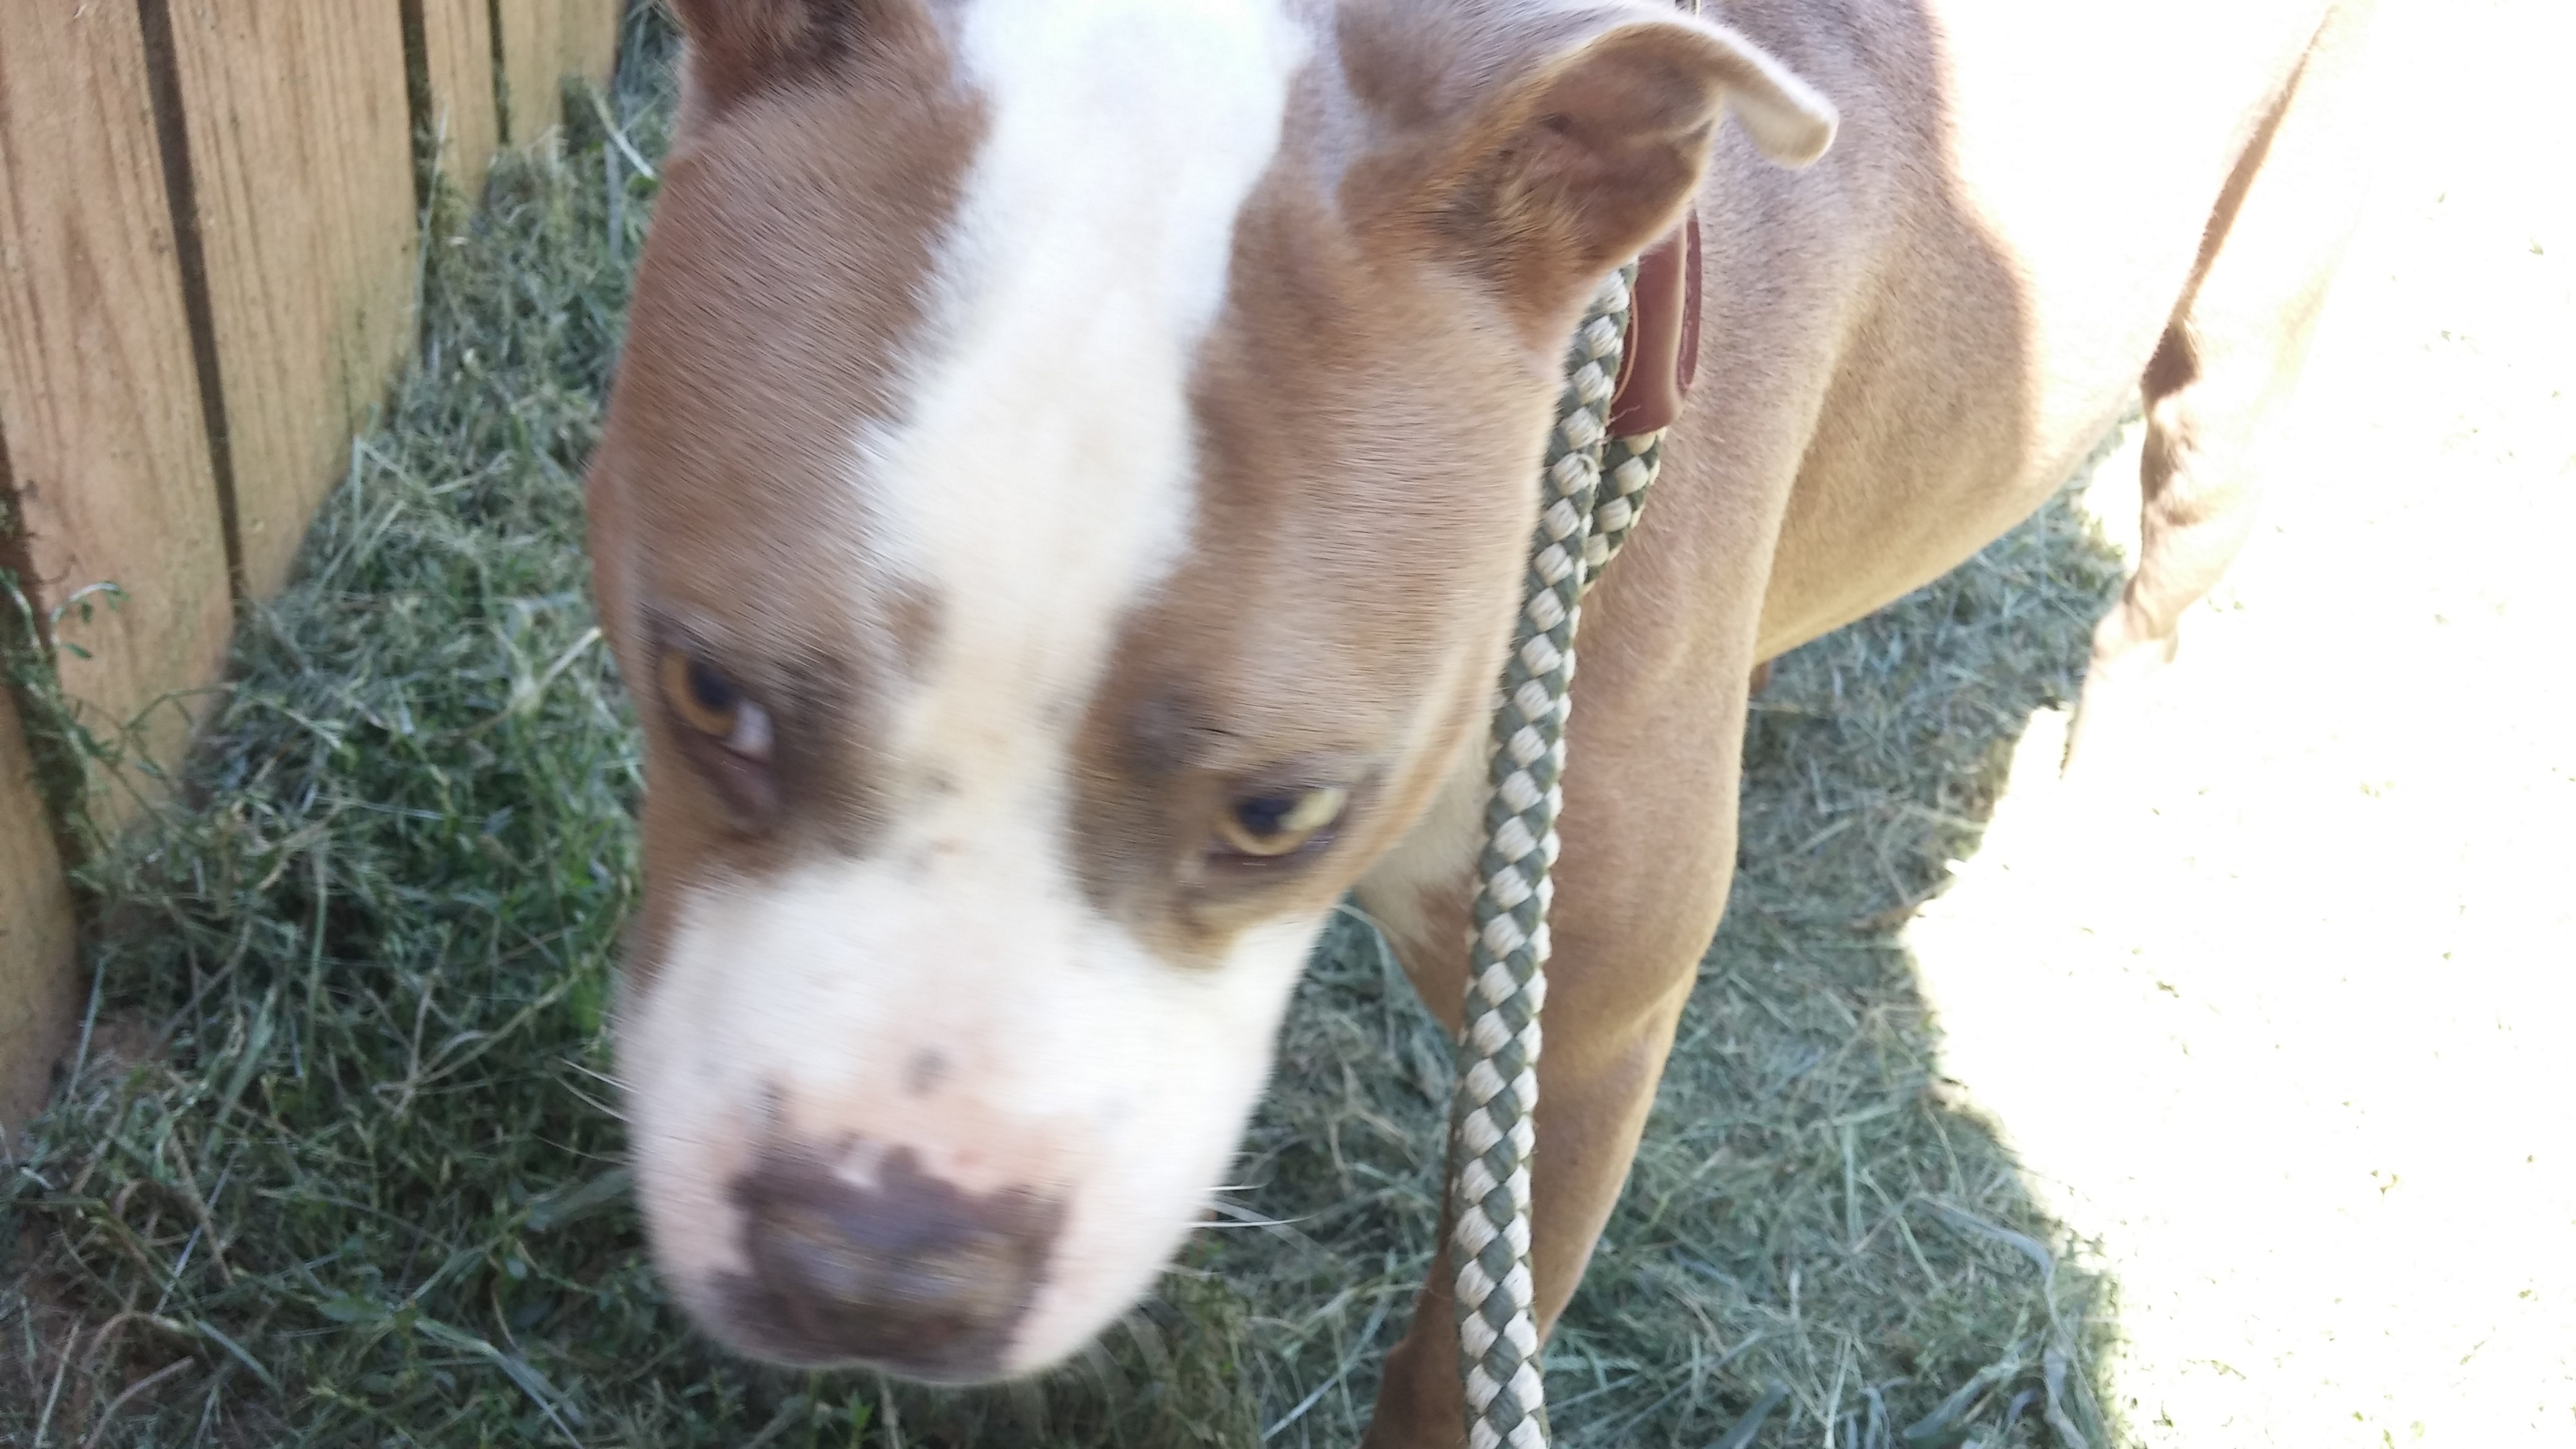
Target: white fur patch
<point>1041,484</point>
<point>1078,1065</point>
<point>1039,487</point>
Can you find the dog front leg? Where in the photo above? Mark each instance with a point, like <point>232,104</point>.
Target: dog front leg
<point>1640,886</point>
<point>1589,1123</point>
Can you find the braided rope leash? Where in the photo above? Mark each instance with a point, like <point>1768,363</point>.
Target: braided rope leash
<point>1582,521</point>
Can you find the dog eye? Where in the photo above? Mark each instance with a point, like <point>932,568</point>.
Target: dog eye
<point>1279,822</point>
<point>713,705</point>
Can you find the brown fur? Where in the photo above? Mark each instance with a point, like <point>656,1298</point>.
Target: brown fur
<point>1874,406</point>
<point>771,309</point>
<point>1903,350</point>
<point>1393,346</point>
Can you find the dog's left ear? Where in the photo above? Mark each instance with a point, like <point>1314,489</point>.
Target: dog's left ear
<point>1555,146</point>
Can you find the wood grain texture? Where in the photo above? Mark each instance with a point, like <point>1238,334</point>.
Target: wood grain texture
<point>542,41</point>
<point>464,94</point>
<point>37,984</point>
<point>590,37</point>
<point>102,432</point>
<point>298,131</point>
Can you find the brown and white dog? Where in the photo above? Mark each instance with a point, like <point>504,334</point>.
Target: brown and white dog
<point>1064,502</point>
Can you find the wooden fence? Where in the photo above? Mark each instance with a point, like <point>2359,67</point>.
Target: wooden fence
<point>208,245</point>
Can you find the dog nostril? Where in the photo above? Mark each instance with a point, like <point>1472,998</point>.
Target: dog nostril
<point>909,1272</point>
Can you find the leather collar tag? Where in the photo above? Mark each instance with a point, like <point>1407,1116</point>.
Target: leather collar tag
<point>1662,352</point>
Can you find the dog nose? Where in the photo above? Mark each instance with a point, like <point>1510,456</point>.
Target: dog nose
<point>904,1272</point>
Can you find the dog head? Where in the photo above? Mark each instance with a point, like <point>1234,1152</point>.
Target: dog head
<point>1060,517</point>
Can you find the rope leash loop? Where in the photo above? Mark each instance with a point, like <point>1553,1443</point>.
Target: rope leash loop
<point>1583,519</point>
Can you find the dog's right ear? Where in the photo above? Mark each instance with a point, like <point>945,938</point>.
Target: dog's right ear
<point>741,48</point>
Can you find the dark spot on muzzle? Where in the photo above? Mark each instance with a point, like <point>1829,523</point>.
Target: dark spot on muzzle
<point>911,1275</point>
<point>929,1068</point>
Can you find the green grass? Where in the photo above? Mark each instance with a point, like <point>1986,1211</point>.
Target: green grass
<point>340,1163</point>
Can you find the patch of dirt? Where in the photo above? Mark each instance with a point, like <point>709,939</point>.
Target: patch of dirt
<point>2272,1001</point>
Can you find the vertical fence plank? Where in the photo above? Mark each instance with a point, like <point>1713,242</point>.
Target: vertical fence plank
<point>589,46</point>
<point>463,95</point>
<point>37,988</point>
<point>298,138</point>
<point>102,429</point>
<point>530,99</point>
<point>542,41</point>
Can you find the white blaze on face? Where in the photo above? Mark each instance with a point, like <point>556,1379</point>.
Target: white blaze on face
<point>1040,487</point>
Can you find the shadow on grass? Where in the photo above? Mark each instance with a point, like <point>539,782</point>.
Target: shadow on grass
<point>340,1164</point>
